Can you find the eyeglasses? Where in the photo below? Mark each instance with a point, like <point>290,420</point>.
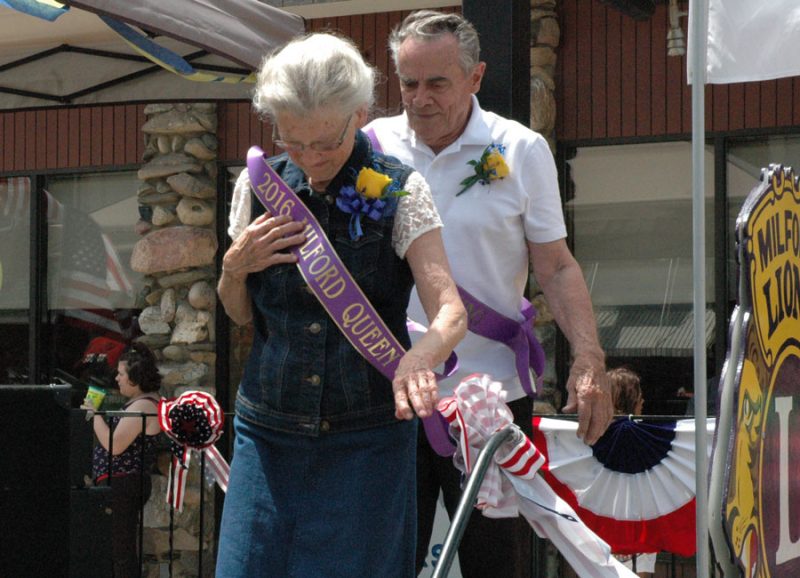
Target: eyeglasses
<point>318,146</point>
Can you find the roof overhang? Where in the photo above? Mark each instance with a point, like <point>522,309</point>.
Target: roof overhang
<point>78,59</point>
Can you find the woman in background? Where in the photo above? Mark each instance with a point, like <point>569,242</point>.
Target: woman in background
<point>125,453</point>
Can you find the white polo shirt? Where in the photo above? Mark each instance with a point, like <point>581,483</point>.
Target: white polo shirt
<point>486,228</point>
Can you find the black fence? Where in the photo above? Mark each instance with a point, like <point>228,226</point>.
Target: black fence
<point>58,521</point>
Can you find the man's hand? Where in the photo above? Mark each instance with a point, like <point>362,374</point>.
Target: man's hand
<point>589,394</point>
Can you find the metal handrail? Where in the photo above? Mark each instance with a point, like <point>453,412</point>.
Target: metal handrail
<point>465,505</point>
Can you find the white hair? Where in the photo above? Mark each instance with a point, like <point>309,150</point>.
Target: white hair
<point>311,72</point>
<point>430,25</point>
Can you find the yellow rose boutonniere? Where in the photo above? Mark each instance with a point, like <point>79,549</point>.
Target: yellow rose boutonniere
<point>371,183</point>
<point>491,166</point>
<point>368,198</point>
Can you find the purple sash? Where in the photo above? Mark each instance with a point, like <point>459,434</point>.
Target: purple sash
<point>518,336</point>
<point>489,323</point>
<point>337,291</point>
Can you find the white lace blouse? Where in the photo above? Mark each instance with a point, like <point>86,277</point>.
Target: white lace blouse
<point>416,213</point>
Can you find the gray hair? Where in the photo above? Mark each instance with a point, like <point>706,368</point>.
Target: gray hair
<point>314,71</point>
<point>428,25</point>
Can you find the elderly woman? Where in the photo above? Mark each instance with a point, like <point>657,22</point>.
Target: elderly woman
<point>323,472</point>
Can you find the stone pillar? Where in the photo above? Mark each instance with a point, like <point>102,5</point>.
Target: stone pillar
<point>545,37</point>
<point>177,206</point>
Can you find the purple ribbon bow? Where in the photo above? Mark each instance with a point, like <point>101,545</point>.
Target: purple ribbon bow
<point>354,204</point>
<point>518,336</point>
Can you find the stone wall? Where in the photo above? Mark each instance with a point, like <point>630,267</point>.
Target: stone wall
<point>176,254</point>
<point>545,38</point>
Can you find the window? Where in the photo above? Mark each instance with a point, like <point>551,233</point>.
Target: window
<point>91,290</point>
<point>745,160</point>
<point>15,235</point>
<point>631,209</point>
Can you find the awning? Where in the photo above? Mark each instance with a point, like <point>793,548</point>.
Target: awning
<point>79,59</point>
<point>650,331</point>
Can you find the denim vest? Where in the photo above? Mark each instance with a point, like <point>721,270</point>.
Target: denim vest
<point>303,376</point>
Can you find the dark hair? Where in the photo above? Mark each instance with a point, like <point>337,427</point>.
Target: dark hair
<point>626,389</point>
<point>142,369</point>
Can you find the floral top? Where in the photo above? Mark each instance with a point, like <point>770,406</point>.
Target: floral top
<point>138,457</point>
<point>416,213</point>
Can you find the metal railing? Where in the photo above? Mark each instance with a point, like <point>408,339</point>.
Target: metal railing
<point>204,555</point>
<point>80,446</point>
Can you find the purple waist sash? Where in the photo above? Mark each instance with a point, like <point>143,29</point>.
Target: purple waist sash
<point>518,336</point>
<point>337,291</point>
<point>489,323</point>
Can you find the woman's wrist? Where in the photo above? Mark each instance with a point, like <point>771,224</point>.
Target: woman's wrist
<point>234,273</point>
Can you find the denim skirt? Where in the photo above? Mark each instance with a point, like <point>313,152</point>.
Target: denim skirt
<point>336,506</point>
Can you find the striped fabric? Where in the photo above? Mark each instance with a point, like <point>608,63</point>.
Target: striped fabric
<point>44,9</point>
<point>511,487</point>
<point>167,59</point>
<point>635,487</point>
<point>15,202</point>
<point>194,422</point>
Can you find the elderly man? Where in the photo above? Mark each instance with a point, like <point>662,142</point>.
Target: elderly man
<point>495,186</point>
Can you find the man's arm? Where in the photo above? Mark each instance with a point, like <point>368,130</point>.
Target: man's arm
<point>589,393</point>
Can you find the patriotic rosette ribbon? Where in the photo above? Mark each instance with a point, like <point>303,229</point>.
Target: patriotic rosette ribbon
<point>193,422</point>
<point>511,485</point>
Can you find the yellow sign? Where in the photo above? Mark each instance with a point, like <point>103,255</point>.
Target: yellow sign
<point>761,511</point>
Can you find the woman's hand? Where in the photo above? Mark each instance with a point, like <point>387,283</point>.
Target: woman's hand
<point>262,245</point>
<point>414,383</point>
<point>89,408</point>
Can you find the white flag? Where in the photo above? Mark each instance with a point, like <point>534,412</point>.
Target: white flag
<point>752,40</point>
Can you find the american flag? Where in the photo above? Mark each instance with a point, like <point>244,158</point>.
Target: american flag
<point>85,268</point>
<point>80,286</point>
<point>15,202</point>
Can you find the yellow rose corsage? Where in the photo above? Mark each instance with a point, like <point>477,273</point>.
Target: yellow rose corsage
<point>491,166</point>
<point>371,183</point>
<point>368,198</point>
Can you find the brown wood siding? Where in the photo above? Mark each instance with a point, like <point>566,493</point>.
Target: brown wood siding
<point>110,135</point>
<point>240,127</point>
<point>615,80</point>
<point>93,136</point>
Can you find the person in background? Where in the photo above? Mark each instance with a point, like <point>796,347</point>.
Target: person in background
<point>495,185</point>
<point>322,477</point>
<point>125,452</point>
<point>626,389</point>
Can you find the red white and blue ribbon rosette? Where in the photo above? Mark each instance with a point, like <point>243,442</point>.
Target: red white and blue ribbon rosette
<point>635,487</point>
<point>511,487</point>
<point>193,421</point>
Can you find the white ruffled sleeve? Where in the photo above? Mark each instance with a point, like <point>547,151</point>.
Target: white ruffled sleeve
<point>416,214</point>
<point>239,217</point>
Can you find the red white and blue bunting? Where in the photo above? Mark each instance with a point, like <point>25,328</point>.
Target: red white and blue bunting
<point>511,487</point>
<point>193,422</point>
<point>635,487</point>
